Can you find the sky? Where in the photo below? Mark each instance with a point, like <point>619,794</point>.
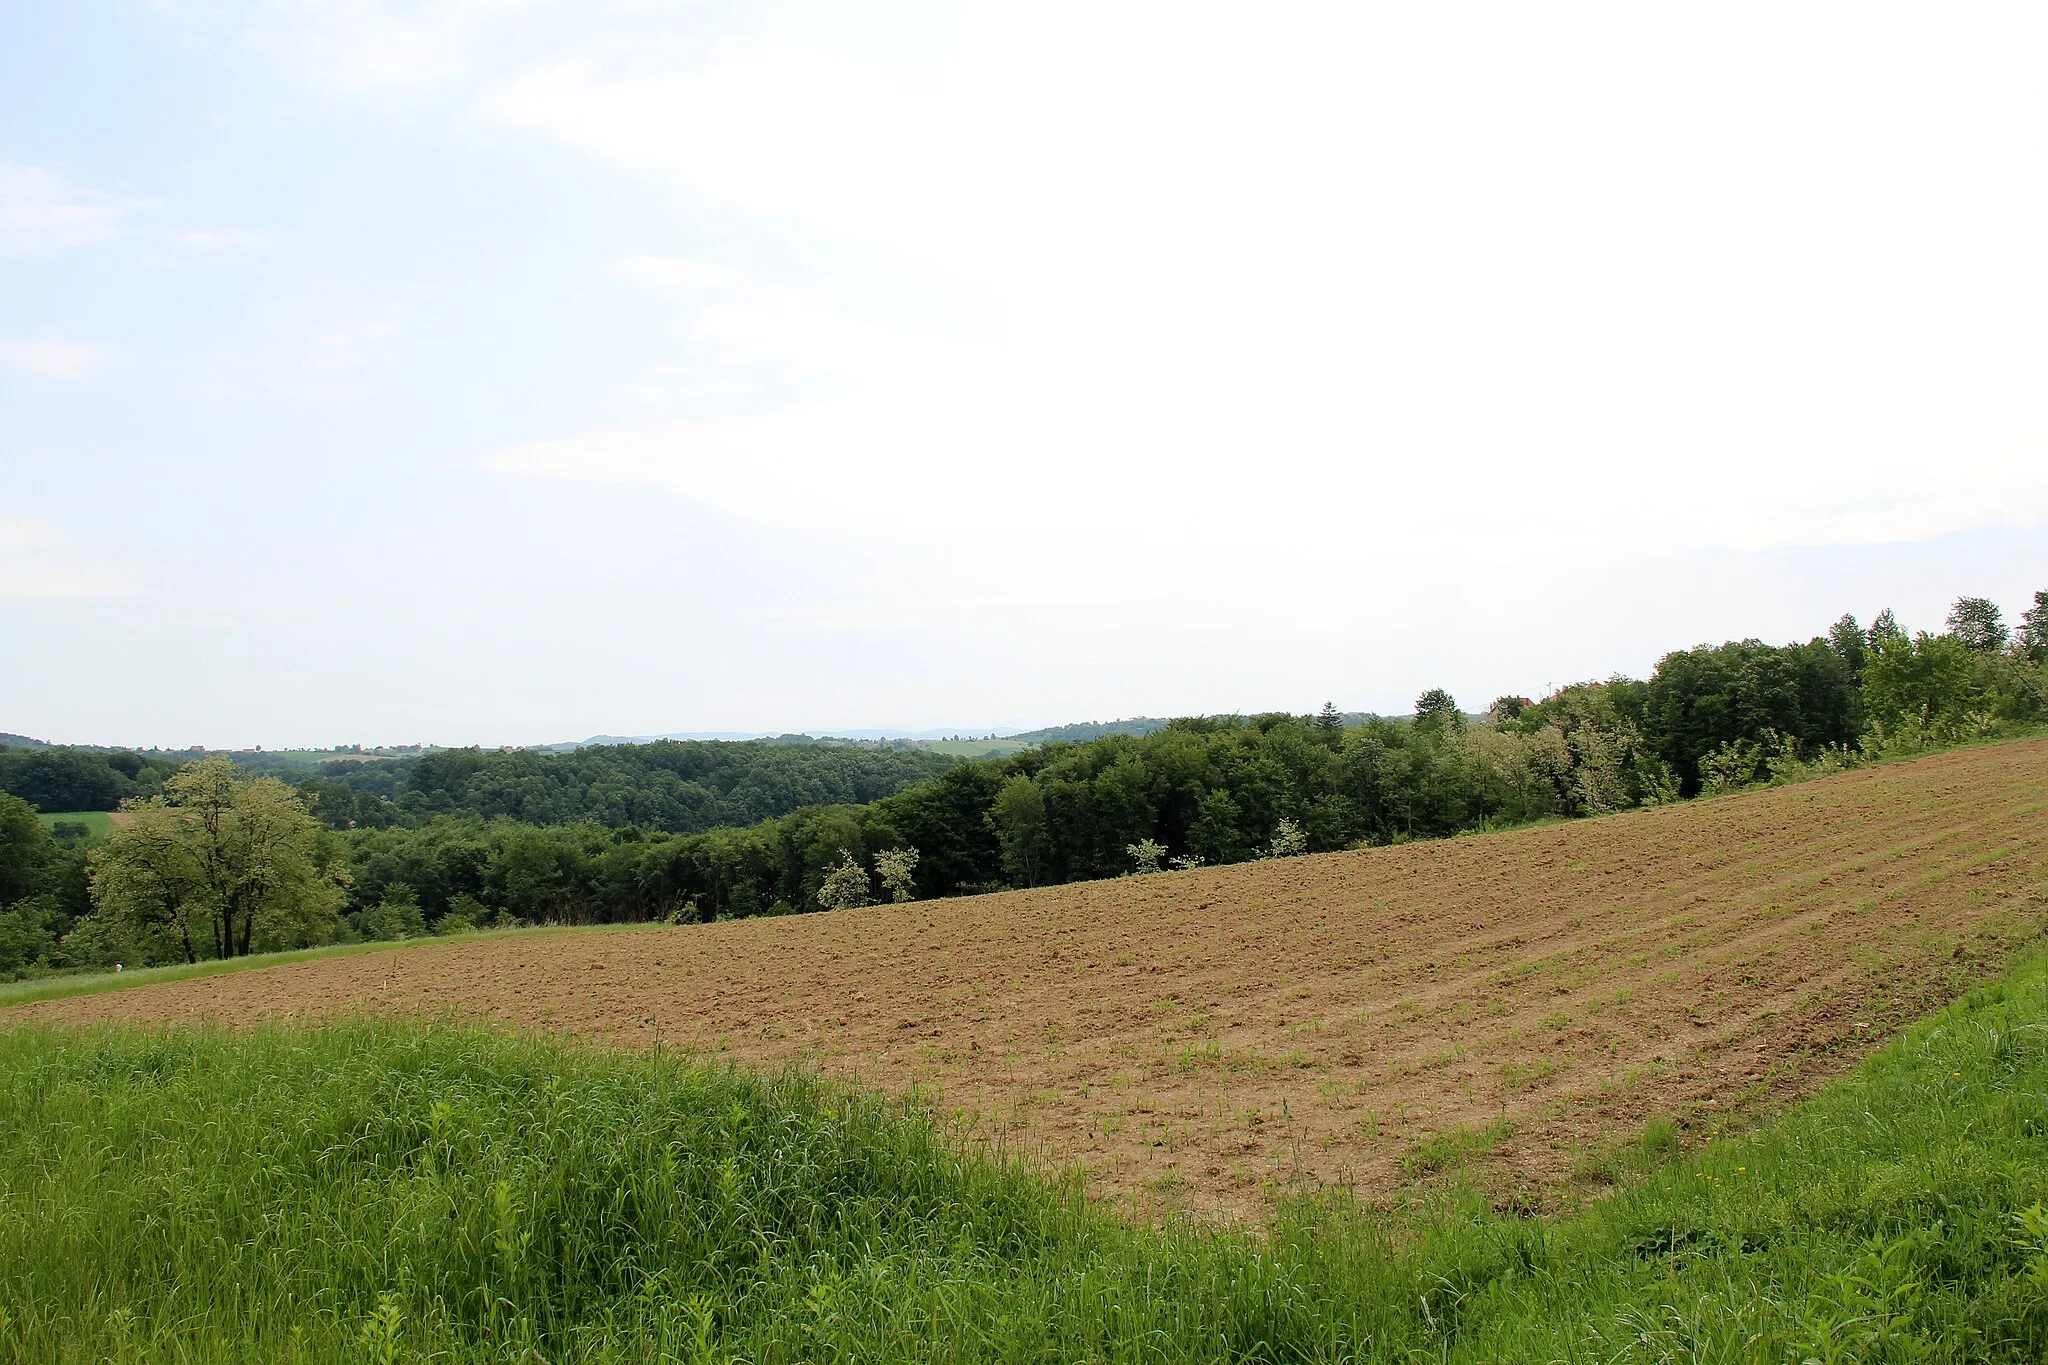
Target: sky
<point>509,371</point>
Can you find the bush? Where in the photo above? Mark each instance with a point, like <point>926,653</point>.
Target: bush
<point>397,916</point>
<point>845,886</point>
<point>1931,679</point>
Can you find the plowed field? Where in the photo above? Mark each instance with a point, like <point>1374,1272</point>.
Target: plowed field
<point>1200,1039</point>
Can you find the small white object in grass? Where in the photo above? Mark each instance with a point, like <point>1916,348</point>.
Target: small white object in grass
<point>117,968</point>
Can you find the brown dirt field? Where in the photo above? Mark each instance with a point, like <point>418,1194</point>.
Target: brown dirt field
<point>1199,1040</point>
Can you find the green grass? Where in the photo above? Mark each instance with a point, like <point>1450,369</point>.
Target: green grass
<point>975,748</point>
<point>385,1192</point>
<point>93,983</point>
<point>97,823</point>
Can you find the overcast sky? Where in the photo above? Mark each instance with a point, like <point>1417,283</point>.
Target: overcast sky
<point>508,371</point>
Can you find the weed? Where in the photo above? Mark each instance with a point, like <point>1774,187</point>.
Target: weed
<point>1453,1148</point>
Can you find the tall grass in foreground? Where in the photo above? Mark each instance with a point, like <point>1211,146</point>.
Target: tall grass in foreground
<point>383,1192</point>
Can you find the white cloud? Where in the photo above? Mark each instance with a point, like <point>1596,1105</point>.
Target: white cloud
<point>828,141</point>
<point>1561,274</point>
<point>40,211</point>
<point>1574,274</point>
<point>52,359</point>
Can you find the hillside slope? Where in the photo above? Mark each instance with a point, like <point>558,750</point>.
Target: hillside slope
<point>1197,1038</point>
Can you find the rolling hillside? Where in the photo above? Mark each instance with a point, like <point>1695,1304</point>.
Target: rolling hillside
<point>1202,1039</point>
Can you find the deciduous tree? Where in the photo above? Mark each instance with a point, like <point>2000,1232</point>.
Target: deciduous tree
<point>1289,840</point>
<point>1886,633</point>
<point>1507,709</point>
<point>218,863</point>
<point>2034,629</point>
<point>1437,710</point>
<point>1018,816</point>
<point>24,847</point>
<point>1929,678</point>
<point>897,869</point>
<point>397,916</point>
<point>1976,621</point>
<point>1846,638</point>
<point>845,886</point>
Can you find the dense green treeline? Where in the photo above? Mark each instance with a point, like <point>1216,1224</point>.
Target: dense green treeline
<point>44,892</point>
<point>383,1193</point>
<point>72,780</point>
<point>1224,790</point>
<point>466,839</point>
<point>676,786</point>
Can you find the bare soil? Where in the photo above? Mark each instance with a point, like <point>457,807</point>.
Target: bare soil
<point>1200,1040</point>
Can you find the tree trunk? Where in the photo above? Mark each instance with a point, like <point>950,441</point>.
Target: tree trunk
<point>184,923</point>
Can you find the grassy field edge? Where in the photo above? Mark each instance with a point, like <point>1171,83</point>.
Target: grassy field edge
<point>386,1191</point>
<point>94,983</point>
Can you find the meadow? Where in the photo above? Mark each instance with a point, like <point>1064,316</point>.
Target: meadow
<point>98,823</point>
<point>974,748</point>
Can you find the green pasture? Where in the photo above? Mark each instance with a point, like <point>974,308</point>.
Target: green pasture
<point>975,748</point>
<point>98,823</point>
<point>389,1192</point>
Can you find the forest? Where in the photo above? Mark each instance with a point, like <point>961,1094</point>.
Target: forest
<point>465,839</point>
<point>72,780</point>
<point>673,786</point>
<point>676,786</point>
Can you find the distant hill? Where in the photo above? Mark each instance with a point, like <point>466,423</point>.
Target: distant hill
<point>1137,726</point>
<point>8,741</point>
<point>960,740</point>
<point>866,739</point>
<point>1083,731</point>
<point>608,741</point>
